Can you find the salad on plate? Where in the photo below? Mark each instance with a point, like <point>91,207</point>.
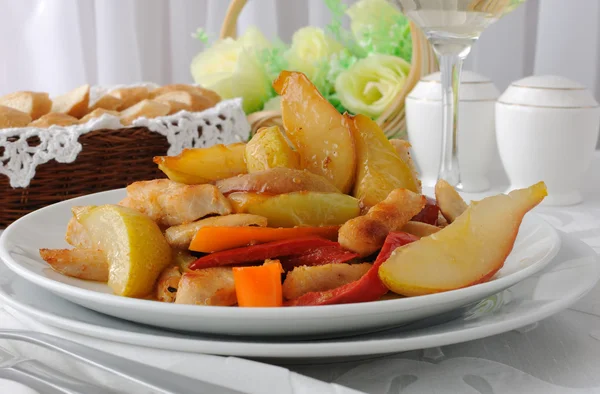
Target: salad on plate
<point>325,211</point>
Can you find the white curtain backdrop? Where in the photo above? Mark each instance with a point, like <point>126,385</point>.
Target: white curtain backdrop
<point>55,45</point>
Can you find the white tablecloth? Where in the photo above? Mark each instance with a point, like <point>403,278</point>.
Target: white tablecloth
<point>558,355</point>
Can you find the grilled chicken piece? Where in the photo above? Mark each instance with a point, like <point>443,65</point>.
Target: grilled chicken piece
<point>450,202</point>
<point>403,149</point>
<point>89,264</point>
<point>77,235</point>
<point>167,284</point>
<point>208,286</point>
<point>170,203</point>
<point>366,234</point>
<point>181,236</point>
<point>183,259</point>
<point>306,279</point>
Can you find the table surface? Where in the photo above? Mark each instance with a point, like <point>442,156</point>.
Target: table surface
<point>560,354</point>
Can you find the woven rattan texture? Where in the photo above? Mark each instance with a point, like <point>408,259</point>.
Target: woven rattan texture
<point>110,159</point>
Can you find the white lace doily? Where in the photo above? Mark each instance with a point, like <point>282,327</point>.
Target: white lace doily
<point>223,124</point>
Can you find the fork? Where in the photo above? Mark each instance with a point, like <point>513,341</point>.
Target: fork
<point>42,378</point>
<point>161,380</point>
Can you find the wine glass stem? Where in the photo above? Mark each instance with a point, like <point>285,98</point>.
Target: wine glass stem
<point>450,67</point>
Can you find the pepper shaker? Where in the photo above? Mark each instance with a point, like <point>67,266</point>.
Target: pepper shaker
<point>547,129</point>
<point>476,141</point>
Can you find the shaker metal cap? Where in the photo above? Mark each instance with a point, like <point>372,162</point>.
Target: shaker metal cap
<point>473,87</point>
<point>548,91</point>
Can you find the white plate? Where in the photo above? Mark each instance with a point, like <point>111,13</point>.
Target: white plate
<point>570,275</point>
<point>536,244</point>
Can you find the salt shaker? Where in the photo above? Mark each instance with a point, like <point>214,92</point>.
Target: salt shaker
<point>547,128</point>
<point>476,141</point>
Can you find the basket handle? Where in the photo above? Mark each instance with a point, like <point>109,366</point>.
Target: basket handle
<point>229,27</point>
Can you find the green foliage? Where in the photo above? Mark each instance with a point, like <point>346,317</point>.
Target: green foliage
<point>335,28</point>
<point>200,35</point>
<point>273,59</point>
<point>274,62</point>
<point>394,39</point>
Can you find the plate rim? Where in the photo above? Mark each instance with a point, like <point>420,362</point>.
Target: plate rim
<point>307,312</point>
<point>312,349</point>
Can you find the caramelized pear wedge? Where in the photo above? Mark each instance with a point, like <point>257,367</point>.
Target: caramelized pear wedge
<point>468,251</point>
<point>319,132</point>
<point>298,209</point>
<point>269,149</point>
<point>380,169</point>
<point>135,248</point>
<point>181,177</point>
<point>277,181</point>
<point>402,147</point>
<point>450,202</point>
<point>202,165</point>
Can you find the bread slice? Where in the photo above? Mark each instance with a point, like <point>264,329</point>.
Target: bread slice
<point>193,101</point>
<point>176,87</point>
<point>74,103</point>
<point>210,94</point>
<point>146,108</point>
<point>108,102</point>
<point>10,117</point>
<point>130,96</point>
<point>176,106</point>
<point>35,104</point>
<point>98,112</point>
<point>54,118</point>
<point>180,87</point>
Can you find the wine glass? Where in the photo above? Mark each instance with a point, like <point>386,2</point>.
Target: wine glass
<point>452,27</point>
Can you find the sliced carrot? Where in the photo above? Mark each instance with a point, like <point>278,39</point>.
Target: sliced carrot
<point>215,239</point>
<point>259,286</point>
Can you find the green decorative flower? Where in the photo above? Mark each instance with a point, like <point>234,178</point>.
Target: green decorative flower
<point>365,14</point>
<point>371,84</point>
<point>379,27</point>
<point>232,68</point>
<point>310,47</point>
<point>360,70</point>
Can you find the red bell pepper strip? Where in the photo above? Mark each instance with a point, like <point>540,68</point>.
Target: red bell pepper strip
<point>368,288</point>
<point>261,252</point>
<point>333,254</point>
<point>429,213</point>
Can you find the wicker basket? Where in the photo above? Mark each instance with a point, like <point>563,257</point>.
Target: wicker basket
<point>110,159</point>
<point>392,121</point>
<point>103,154</point>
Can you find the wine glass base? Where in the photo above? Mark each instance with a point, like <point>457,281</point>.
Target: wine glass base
<point>451,179</point>
<point>474,184</point>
